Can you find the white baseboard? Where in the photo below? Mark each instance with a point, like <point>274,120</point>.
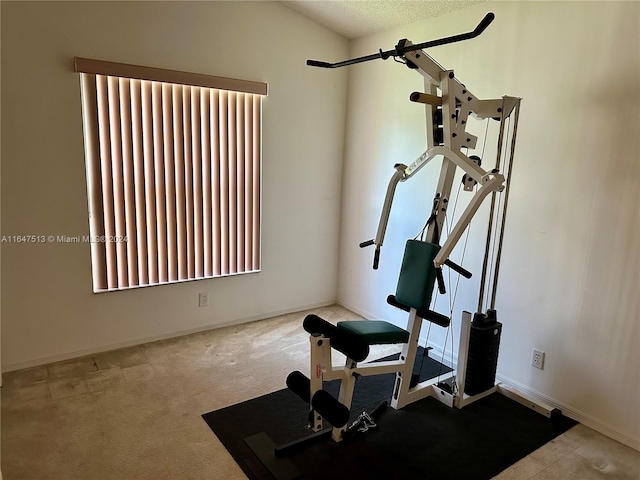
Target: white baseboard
<point>362,313</point>
<point>567,410</point>
<point>131,343</point>
<point>583,418</point>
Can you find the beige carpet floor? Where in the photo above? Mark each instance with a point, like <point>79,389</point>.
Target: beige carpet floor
<point>134,414</point>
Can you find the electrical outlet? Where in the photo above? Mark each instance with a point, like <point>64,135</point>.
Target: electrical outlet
<point>537,359</point>
<point>203,300</point>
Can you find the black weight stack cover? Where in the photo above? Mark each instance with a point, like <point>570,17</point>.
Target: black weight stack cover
<point>482,361</point>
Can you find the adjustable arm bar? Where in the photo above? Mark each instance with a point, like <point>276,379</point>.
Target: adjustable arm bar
<point>398,176</point>
<point>495,183</point>
<point>400,51</point>
<point>490,181</point>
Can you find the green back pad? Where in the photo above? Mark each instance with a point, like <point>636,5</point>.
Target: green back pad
<point>417,274</point>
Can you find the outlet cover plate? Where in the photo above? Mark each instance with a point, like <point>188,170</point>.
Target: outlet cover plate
<point>203,300</point>
<point>537,359</point>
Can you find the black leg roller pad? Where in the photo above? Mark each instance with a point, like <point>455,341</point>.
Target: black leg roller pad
<point>315,325</point>
<point>334,412</point>
<point>299,384</point>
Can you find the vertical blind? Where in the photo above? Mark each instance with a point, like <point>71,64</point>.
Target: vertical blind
<point>173,175</point>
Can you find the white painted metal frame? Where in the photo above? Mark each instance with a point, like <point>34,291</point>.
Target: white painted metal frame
<point>403,394</point>
<point>457,105</point>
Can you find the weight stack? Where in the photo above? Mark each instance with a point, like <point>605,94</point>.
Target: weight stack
<point>482,360</point>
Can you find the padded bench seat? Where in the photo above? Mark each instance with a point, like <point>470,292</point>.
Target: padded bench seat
<point>375,332</point>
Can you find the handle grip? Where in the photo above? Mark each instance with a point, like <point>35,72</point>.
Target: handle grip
<point>376,258</point>
<point>368,243</point>
<point>440,279</point>
<point>457,268</point>
<point>484,23</point>
<point>319,63</point>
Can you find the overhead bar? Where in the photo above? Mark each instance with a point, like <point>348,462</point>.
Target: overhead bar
<point>401,50</point>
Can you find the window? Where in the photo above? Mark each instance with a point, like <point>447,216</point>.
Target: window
<point>173,165</point>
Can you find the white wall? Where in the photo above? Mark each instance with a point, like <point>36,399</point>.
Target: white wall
<point>48,310</point>
<point>569,275</point>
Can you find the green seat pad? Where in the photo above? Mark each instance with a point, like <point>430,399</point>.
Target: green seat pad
<point>375,332</point>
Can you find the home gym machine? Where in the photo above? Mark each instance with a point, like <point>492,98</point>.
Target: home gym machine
<point>449,105</point>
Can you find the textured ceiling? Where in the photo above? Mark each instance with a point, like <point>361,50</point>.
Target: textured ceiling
<point>355,18</point>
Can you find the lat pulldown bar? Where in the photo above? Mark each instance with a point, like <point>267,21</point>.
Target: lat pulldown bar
<point>400,51</point>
